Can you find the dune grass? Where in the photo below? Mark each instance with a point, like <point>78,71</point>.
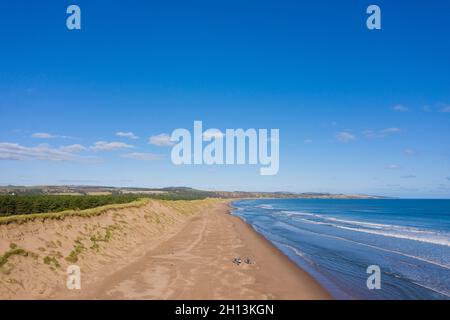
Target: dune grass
<point>13,251</point>
<point>51,261</point>
<point>189,207</point>
<point>78,248</point>
<point>71,213</point>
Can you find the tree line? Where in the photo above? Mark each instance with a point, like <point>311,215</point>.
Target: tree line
<point>41,203</point>
<point>26,204</point>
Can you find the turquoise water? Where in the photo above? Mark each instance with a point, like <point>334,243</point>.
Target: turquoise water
<point>337,240</point>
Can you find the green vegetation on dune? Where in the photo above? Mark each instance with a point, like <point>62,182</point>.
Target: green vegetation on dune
<point>27,207</point>
<point>27,204</point>
<point>74,213</point>
<point>13,251</point>
<point>45,203</point>
<point>51,261</point>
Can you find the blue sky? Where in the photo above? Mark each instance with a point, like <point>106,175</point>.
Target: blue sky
<point>359,111</point>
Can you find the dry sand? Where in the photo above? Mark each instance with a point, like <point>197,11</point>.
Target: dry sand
<point>164,250</point>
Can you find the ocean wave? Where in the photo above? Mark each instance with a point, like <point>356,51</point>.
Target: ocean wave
<point>422,259</point>
<point>442,241</point>
<point>361,223</point>
<point>311,262</point>
<point>265,206</point>
<point>446,293</point>
<point>301,254</point>
<point>387,230</point>
<point>291,213</point>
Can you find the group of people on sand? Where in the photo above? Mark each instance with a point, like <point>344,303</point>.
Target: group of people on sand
<point>237,261</point>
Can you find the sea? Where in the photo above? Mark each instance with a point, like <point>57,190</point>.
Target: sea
<point>337,241</point>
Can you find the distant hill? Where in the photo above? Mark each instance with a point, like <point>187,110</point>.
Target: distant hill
<point>177,192</point>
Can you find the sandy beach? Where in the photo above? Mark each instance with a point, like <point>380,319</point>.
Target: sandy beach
<point>159,251</point>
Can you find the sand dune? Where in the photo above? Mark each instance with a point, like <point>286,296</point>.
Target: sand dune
<point>163,250</point>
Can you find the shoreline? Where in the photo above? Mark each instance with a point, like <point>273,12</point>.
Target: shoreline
<point>296,270</point>
<point>176,254</point>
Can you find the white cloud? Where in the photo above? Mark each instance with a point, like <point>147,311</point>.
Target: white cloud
<point>73,148</point>
<point>392,166</point>
<point>445,108</point>
<point>110,146</point>
<point>409,152</point>
<point>438,107</point>
<point>400,108</point>
<point>307,141</point>
<point>345,136</point>
<point>390,130</point>
<point>381,133</point>
<point>160,140</point>
<point>14,151</point>
<point>129,135</point>
<point>45,135</point>
<point>143,156</point>
<point>409,176</point>
<point>370,134</point>
<point>42,135</point>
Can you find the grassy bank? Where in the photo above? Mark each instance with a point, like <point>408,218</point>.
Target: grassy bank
<point>21,204</point>
<point>71,213</point>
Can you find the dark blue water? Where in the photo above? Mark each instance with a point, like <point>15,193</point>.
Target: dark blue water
<point>337,240</point>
